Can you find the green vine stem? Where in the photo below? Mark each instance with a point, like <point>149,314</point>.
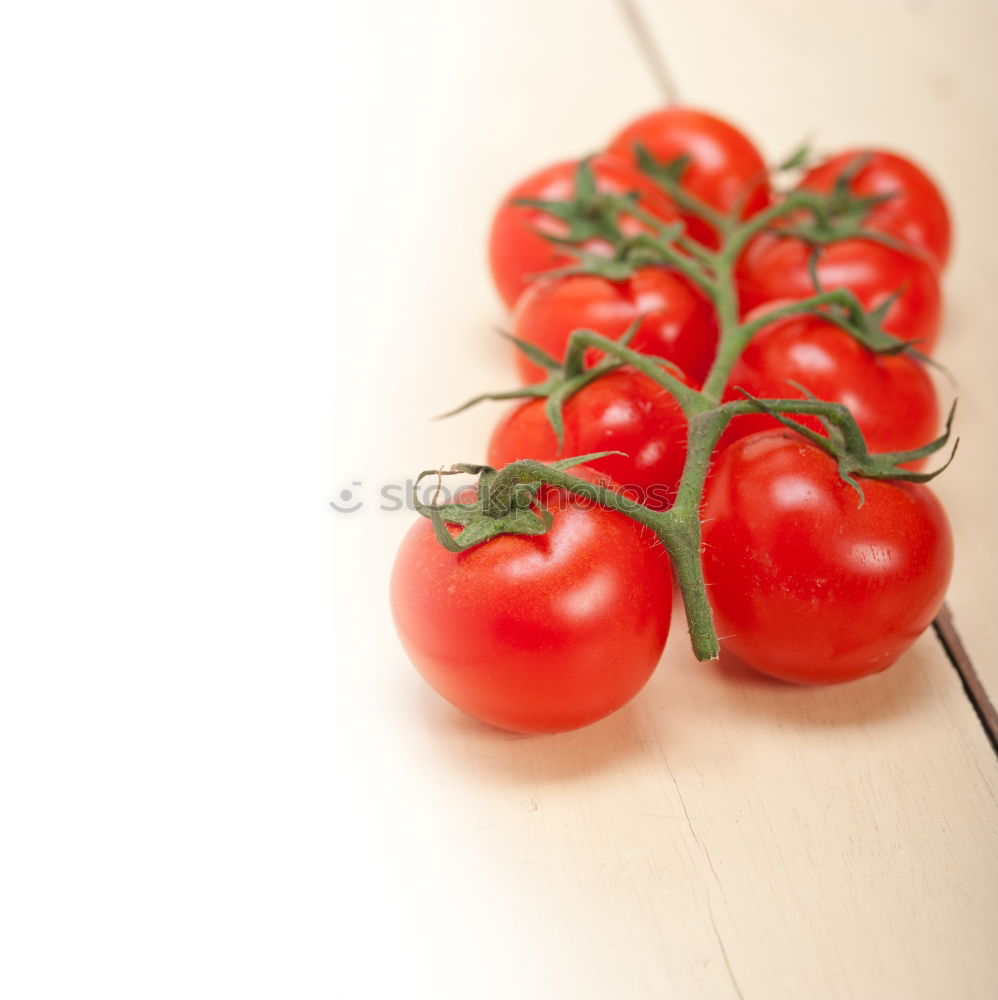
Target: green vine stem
<point>506,497</point>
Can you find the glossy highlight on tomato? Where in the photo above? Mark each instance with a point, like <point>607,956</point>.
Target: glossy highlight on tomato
<point>623,411</point>
<point>806,585</point>
<point>518,250</point>
<point>677,320</point>
<point>726,170</point>
<point>890,395</point>
<point>542,633</point>
<point>916,212</point>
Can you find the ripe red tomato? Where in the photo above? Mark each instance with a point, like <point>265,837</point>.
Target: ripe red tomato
<point>540,633</point>
<point>517,250</point>
<point>891,396</point>
<point>777,267</point>
<point>622,411</point>
<point>726,171</point>
<point>917,213</point>
<point>806,585</point>
<point>677,320</point>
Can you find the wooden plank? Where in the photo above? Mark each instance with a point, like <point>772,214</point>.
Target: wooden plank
<point>723,836</point>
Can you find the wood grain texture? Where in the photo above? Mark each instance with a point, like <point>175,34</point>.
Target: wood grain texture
<point>723,836</point>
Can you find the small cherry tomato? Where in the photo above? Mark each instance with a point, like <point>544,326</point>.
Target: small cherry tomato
<point>677,320</point>
<point>807,585</point>
<point>890,395</point>
<point>518,252</point>
<point>916,214</point>
<point>725,170</point>
<point>778,267</point>
<point>539,633</point>
<point>621,411</point>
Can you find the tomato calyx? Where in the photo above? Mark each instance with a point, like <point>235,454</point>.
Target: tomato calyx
<point>842,214</point>
<point>844,441</point>
<point>845,212</point>
<point>589,215</point>
<point>567,378</point>
<point>843,309</point>
<point>594,215</point>
<point>506,502</point>
<point>668,174</point>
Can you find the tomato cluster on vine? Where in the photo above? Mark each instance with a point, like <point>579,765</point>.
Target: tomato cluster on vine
<point>741,372</point>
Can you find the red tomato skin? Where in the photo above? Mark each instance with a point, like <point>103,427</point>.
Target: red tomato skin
<point>917,214</point>
<point>536,634</point>
<point>517,251</point>
<point>805,585</point>
<point>775,267</point>
<point>891,396</point>
<point>726,170</point>
<point>623,411</point>
<point>677,320</point>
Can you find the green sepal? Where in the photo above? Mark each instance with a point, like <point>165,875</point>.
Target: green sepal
<point>668,175</point>
<point>564,380</point>
<point>567,463</point>
<point>813,259</point>
<point>540,357</point>
<point>850,172</point>
<point>837,449</point>
<point>839,214</point>
<point>867,327</point>
<point>482,529</point>
<point>669,172</point>
<point>917,454</point>
<point>869,331</point>
<point>581,224</point>
<point>536,390</point>
<point>846,444</point>
<point>619,267</point>
<point>587,215</point>
<point>800,157</point>
<point>560,391</point>
<point>505,504</point>
<point>823,420</point>
<point>482,471</point>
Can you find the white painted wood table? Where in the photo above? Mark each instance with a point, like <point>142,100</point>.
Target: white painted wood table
<point>723,836</point>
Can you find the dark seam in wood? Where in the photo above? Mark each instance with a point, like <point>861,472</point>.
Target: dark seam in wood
<point>972,686</point>
<point>650,51</point>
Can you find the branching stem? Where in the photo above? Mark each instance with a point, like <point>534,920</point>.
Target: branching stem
<point>507,494</point>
